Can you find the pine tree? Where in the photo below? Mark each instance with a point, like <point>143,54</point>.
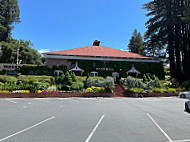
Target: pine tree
<point>9,14</point>
<point>136,43</point>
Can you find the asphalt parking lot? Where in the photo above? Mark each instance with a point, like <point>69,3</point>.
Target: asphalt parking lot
<point>94,120</point>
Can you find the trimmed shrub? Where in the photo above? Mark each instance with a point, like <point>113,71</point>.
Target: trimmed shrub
<point>77,85</point>
<point>98,77</point>
<point>158,90</point>
<point>108,83</point>
<point>136,90</point>
<point>89,90</point>
<point>172,90</point>
<point>33,81</point>
<point>44,78</point>
<point>132,82</point>
<point>6,78</point>
<point>81,78</point>
<point>154,84</point>
<point>99,89</point>
<point>52,88</point>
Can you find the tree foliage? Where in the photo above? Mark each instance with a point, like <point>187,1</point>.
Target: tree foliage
<point>9,14</point>
<point>166,26</point>
<point>136,43</point>
<point>27,54</point>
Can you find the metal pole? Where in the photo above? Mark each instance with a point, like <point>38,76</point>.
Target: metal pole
<point>17,55</point>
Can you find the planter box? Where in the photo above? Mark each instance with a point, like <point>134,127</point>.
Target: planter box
<point>130,94</point>
<point>57,95</point>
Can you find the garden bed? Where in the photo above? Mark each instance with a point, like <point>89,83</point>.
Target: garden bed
<point>58,95</point>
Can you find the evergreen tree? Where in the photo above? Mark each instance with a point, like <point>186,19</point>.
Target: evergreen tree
<point>136,43</point>
<point>166,25</point>
<point>67,79</point>
<point>9,14</point>
<point>187,12</point>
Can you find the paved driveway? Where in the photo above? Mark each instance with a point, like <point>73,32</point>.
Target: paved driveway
<point>94,120</point>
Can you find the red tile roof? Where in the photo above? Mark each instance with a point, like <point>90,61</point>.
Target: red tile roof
<point>98,51</point>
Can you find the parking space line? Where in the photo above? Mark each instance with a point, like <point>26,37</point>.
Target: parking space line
<point>165,134</point>
<point>187,140</point>
<point>26,129</point>
<point>10,101</point>
<point>93,131</point>
<point>41,100</point>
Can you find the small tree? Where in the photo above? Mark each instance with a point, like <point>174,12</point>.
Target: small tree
<point>60,79</point>
<point>67,79</point>
<point>73,76</point>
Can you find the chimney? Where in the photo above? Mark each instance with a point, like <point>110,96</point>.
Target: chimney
<point>96,43</point>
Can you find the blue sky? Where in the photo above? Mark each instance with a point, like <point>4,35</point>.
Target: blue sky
<point>65,24</point>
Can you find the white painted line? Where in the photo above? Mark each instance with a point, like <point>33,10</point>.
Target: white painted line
<point>43,101</point>
<point>166,135</point>
<point>29,103</point>
<point>186,112</point>
<point>26,129</point>
<point>10,101</point>
<point>24,107</point>
<point>188,140</point>
<point>93,131</point>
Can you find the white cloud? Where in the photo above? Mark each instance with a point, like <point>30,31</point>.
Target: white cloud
<point>43,50</point>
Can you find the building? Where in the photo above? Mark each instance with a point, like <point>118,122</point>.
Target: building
<point>102,61</point>
<point>10,69</point>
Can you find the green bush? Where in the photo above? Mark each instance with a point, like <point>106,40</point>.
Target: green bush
<point>98,77</point>
<point>136,90</point>
<point>132,82</point>
<point>33,80</point>
<point>89,90</point>
<point>6,78</point>
<point>107,83</point>
<point>172,90</point>
<point>145,80</point>
<point>81,78</point>
<point>99,89</point>
<point>158,90</point>
<point>73,76</point>
<point>44,78</point>
<point>154,84</point>
<point>52,88</point>
<point>77,85</point>
<point>185,84</point>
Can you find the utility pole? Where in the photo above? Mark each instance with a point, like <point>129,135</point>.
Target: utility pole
<point>17,62</point>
